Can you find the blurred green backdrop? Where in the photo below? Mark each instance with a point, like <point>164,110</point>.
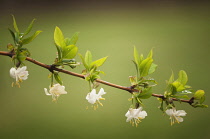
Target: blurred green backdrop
<point>178,31</point>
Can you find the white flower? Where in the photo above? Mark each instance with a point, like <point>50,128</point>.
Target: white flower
<point>55,91</point>
<point>19,74</point>
<point>94,98</point>
<point>175,115</point>
<point>135,115</point>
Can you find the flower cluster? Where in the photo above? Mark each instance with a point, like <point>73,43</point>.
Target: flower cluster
<point>19,74</point>
<point>94,98</point>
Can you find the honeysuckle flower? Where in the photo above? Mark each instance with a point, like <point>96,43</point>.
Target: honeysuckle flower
<point>134,116</point>
<point>94,98</point>
<point>175,115</point>
<point>19,74</point>
<point>55,91</point>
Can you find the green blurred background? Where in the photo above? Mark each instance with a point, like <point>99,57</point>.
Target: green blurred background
<point>178,31</point>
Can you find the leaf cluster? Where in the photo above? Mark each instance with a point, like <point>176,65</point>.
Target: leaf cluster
<point>180,90</point>
<point>91,67</point>
<point>144,67</point>
<point>20,39</point>
<point>66,48</point>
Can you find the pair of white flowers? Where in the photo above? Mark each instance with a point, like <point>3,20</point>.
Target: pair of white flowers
<point>134,116</point>
<point>56,90</point>
<point>19,74</point>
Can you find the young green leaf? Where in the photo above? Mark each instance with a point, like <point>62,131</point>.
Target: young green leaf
<point>146,93</point>
<point>83,61</point>
<point>69,52</point>
<point>202,99</point>
<point>59,38</point>
<point>152,68</point>
<point>150,54</point>
<point>73,39</point>
<point>199,94</point>
<point>59,49</point>
<point>31,38</point>
<point>15,25</point>
<point>99,62</point>
<point>29,27</point>
<point>145,66</point>
<point>12,33</point>
<point>182,77</point>
<point>22,55</point>
<point>171,79</point>
<point>179,87</point>
<point>88,59</point>
<point>17,38</point>
<point>58,78</point>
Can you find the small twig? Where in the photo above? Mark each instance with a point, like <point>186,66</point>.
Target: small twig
<point>51,68</point>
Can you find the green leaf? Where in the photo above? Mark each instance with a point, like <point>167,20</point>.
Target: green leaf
<point>200,105</point>
<point>10,47</point>
<point>146,93</point>
<point>136,57</point>
<point>59,38</point>
<point>17,38</point>
<point>59,52</point>
<point>31,38</point>
<point>150,54</point>
<point>152,68</point>
<point>29,27</point>
<point>99,62</point>
<point>12,33</point>
<point>145,66</point>
<point>171,79</point>
<point>141,58</point>
<point>83,61</point>
<point>88,59</point>
<point>202,99</point>
<point>15,25</point>
<point>73,39</point>
<point>199,94</point>
<point>179,87</point>
<point>137,68</point>
<point>69,52</point>
<point>132,80</point>
<point>22,55</point>
<point>182,77</point>
<point>58,78</point>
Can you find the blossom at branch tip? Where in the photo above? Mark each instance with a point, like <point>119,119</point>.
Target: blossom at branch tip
<point>55,91</point>
<point>134,116</point>
<point>175,115</point>
<point>19,74</point>
<point>94,98</point>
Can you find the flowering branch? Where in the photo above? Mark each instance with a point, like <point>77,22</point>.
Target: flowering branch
<point>53,68</point>
<point>141,84</point>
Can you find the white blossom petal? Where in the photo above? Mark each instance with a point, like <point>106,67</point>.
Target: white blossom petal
<point>101,92</point>
<point>46,92</point>
<point>179,119</point>
<point>12,73</point>
<point>181,113</point>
